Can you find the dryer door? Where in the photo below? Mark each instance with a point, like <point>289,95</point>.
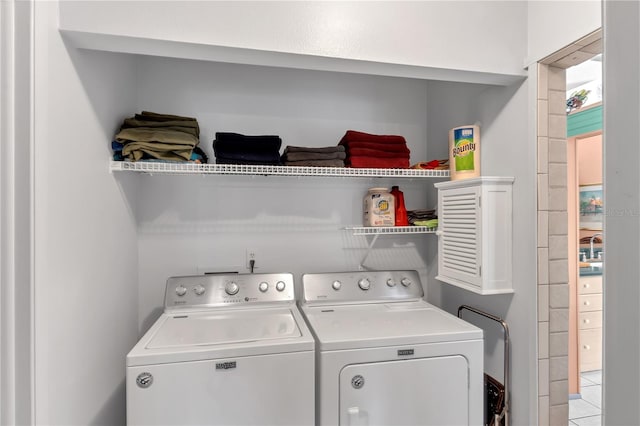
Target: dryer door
<point>424,391</point>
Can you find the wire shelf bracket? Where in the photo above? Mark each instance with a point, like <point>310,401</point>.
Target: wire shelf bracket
<point>385,230</point>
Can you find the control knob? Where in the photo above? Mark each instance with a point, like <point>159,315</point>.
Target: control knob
<point>405,282</point>
<point>231,288</point>
<point>336,285</point>
<point>199,290</point>
<point>364,284</point>
<point>280,285</point>
<point>391,282</point>
<point>181,290</point>
<point>263,286</point>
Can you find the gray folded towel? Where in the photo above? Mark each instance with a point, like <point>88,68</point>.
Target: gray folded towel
<point>324,149</point>
<point>302,156</point>
<point>316,163</point>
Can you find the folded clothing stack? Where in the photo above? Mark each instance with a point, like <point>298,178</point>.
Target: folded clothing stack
<point>158,137</point>
<point>329,156</point>
<point>365,150</point>
<point>423,218</point>
<point>235,148</point>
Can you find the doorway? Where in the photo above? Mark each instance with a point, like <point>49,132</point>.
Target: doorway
<point>555,253</point>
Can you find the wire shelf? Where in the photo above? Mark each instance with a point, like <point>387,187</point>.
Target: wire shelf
<point>379,230</point>
<point>241,169</point>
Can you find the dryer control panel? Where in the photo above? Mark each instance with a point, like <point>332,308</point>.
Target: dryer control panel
<point>368,286</point>
<point>200,291</point>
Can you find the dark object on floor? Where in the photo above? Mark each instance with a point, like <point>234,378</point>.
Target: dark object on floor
<point>494,400</point>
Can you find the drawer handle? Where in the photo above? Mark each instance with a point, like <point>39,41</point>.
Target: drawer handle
<point>587,347</point>
<point>586,321</point>
<point>586,286</point>
<point>587,303</point>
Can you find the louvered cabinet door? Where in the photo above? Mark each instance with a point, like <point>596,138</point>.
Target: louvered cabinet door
<point>475,234</point>
<point>459,219</point>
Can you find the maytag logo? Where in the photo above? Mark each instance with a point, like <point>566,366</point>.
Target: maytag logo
<point>225,365</point>
<point>405,352</point>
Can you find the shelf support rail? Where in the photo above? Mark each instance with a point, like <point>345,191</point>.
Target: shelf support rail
<point>505,411</point>
<point>364,259</point>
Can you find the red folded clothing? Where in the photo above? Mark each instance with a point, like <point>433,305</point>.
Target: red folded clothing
<point>354,136</point>
<point>389,147</point>
<point>377,163</point>
<point>364,152</point>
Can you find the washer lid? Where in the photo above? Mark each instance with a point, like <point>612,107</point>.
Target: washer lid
<point>219,328</point>
<point>385,324</point>
<point>224,333</point>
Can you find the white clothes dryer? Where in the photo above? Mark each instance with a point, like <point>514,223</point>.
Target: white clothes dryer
<point>228,350</point>
<point>387,357</point>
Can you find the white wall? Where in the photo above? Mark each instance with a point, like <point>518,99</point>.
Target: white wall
<point>552,25</point>
<point>16,243</point>
<point>621,226</point>
<point>437,37</point>
<point>85,236</point>
<point>506,151</point>
<point>190,225</point>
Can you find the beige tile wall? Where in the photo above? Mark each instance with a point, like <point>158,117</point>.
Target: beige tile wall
<point>553,274</point>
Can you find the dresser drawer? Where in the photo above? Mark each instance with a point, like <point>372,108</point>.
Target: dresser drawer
<point>590,349</point>
<point>589,285</point>
<point>587,320</point>
<point>589,302</point>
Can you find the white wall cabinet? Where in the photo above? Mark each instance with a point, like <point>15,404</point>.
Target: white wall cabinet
<point>475,234</point>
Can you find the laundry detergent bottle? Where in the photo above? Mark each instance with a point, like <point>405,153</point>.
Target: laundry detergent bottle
<point>464,152</point>
<point>401,218</point>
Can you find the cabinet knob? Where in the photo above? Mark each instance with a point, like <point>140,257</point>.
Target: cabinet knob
<point>587,303</point>
<point>587,347</point>
<point>586,321</point>
<point>585,285</point>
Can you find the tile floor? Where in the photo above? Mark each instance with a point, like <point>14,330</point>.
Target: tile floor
<point>586,411</point>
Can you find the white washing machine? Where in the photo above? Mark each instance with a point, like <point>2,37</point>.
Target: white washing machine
<point>386,356</point>
<point>228,350</point>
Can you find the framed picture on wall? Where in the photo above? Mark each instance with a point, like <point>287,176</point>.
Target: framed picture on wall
<point>591,207</point>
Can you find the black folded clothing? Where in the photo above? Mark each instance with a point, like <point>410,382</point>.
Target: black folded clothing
<point>235,142</point>
<point>265,157</point>
<point>247,162</point>
<point>235,148</point>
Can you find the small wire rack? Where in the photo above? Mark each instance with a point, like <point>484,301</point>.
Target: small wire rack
<point>380,230</point>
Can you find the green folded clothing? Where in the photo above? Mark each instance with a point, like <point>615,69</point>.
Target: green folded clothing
<point>190,127</point>
<point>150,135</point>
<point>432,223</point>
<point>126,136</point>
<point>134,151</point>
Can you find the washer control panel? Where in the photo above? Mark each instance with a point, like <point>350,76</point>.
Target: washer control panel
<point>371,286</point>
<point>228,289</point>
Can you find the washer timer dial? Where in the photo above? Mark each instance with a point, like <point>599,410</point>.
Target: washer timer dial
<point>364,284</point>
<point>231,288</point>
